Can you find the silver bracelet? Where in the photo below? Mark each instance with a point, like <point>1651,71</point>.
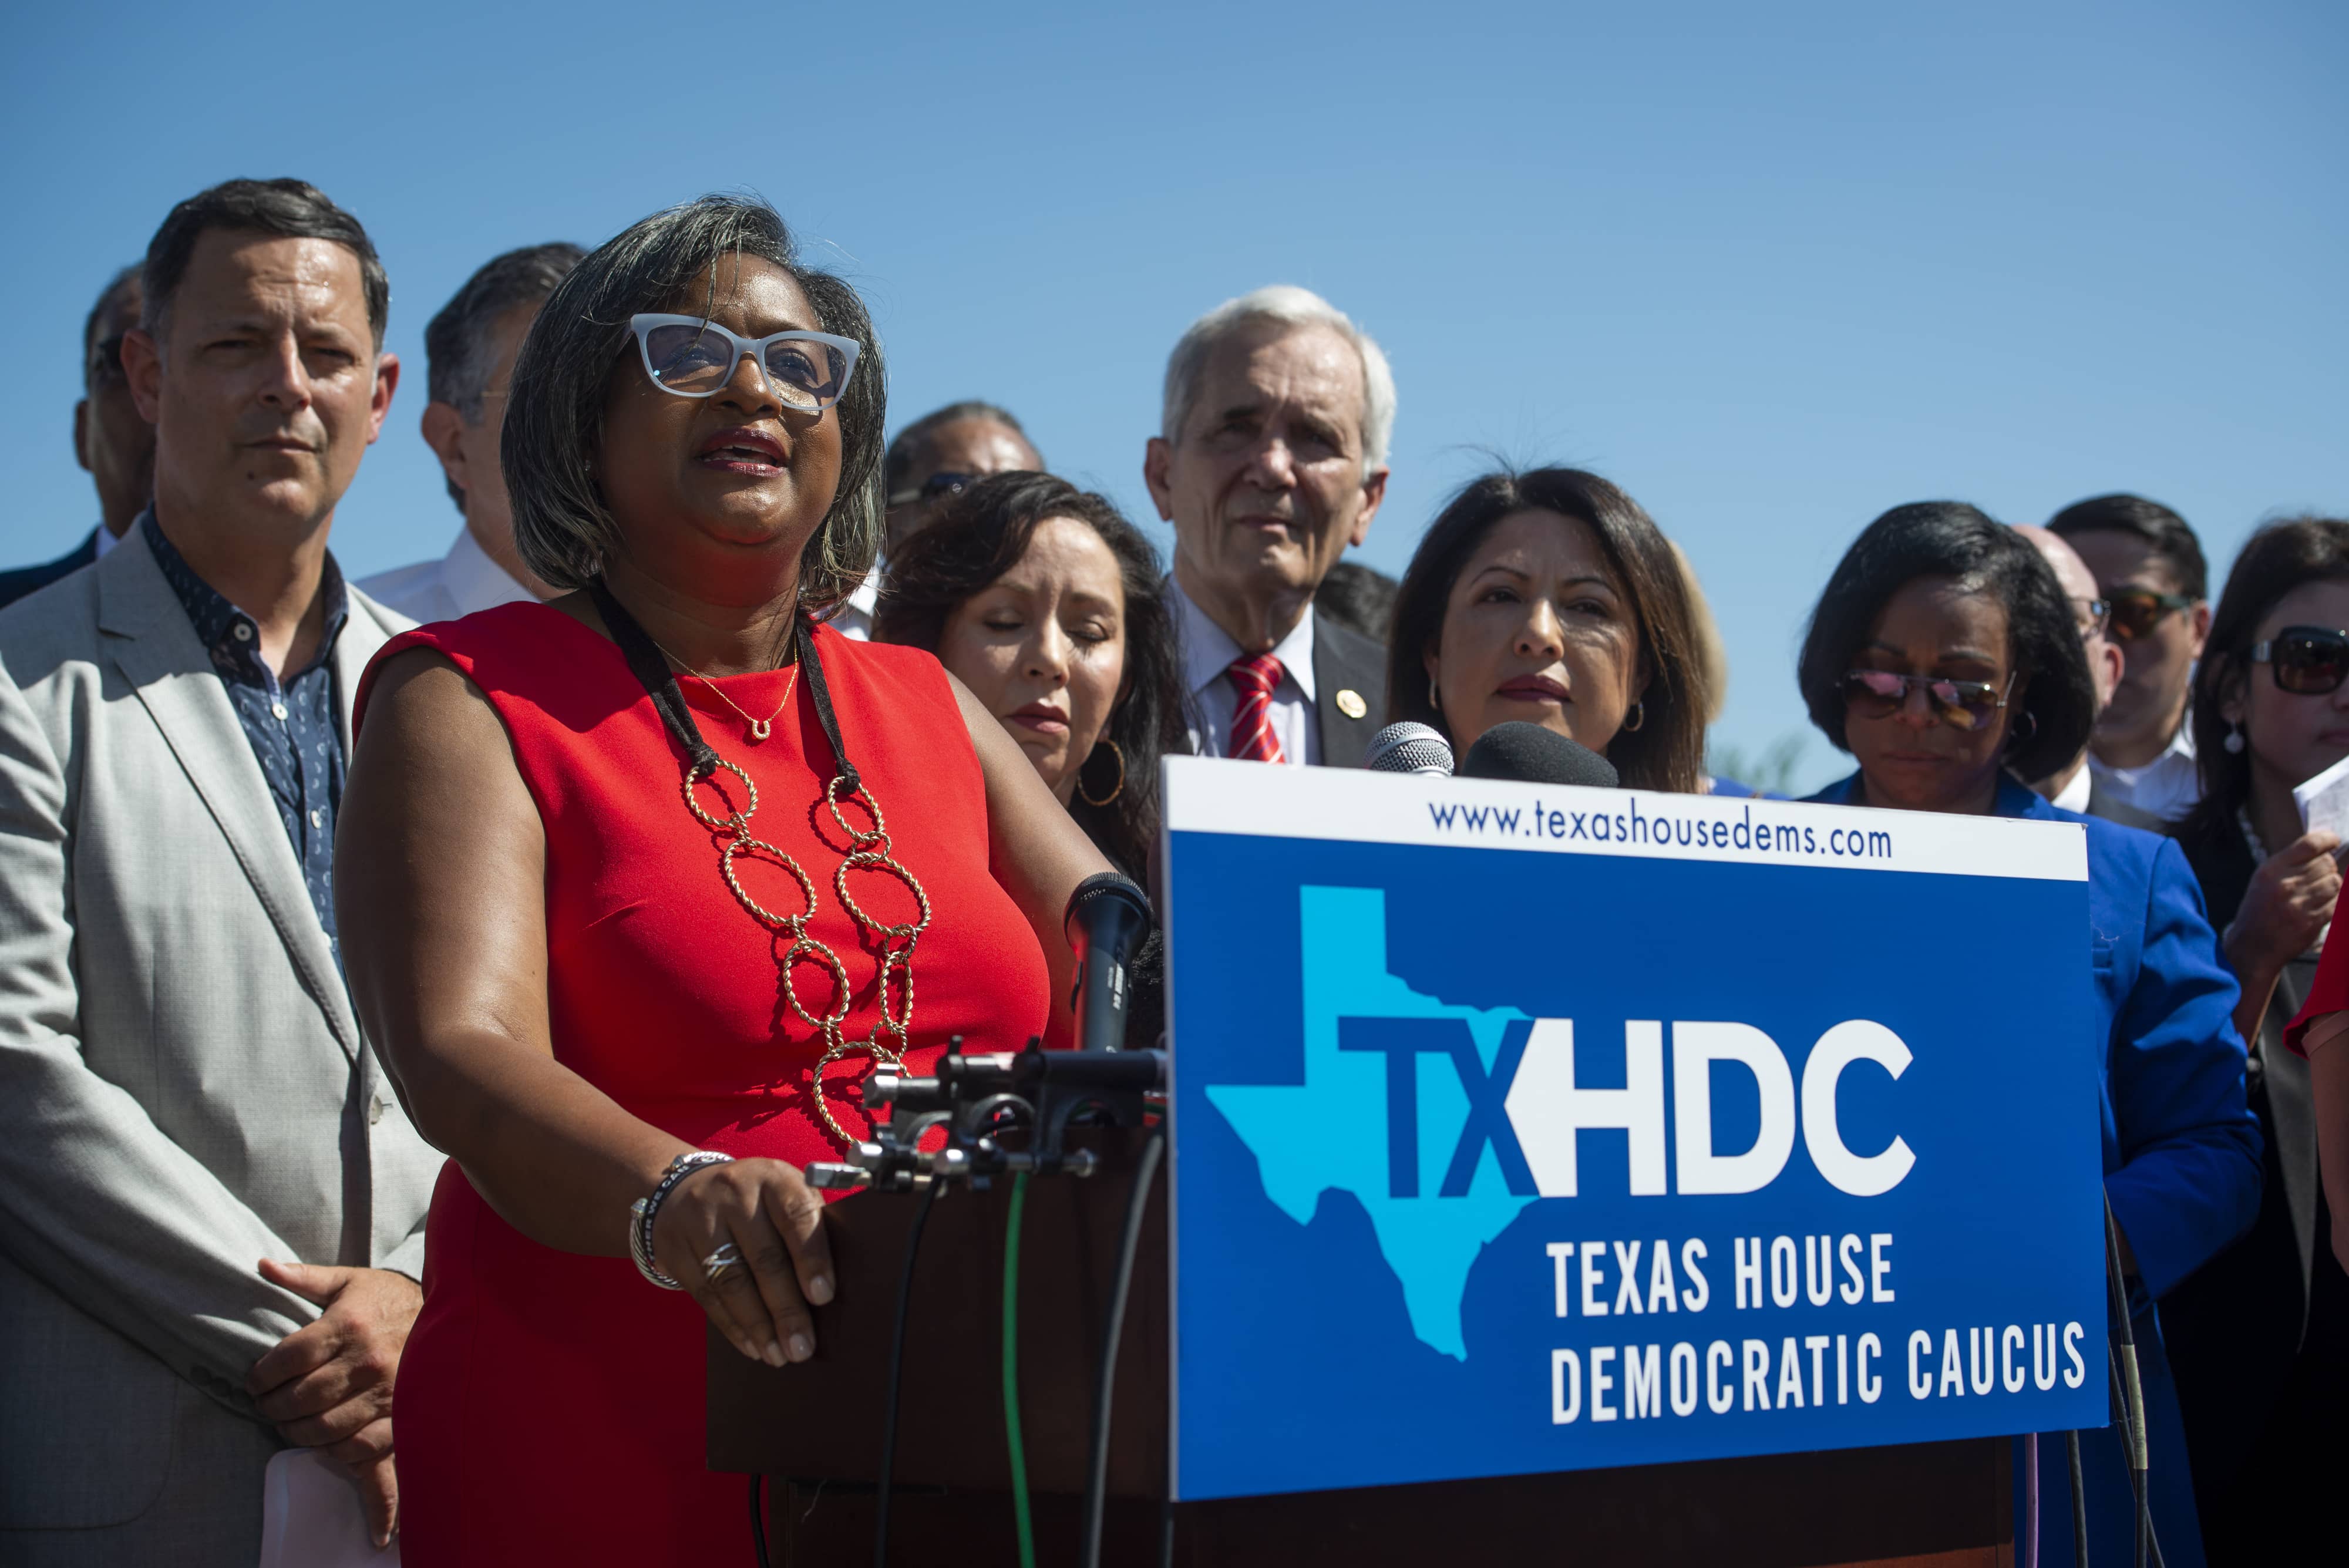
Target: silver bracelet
<point>646,1210</point>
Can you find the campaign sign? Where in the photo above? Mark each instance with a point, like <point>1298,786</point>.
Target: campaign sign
<point>1520,1129</point>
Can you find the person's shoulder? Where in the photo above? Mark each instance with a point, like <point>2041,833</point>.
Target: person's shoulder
<point>1345,644</point>
<point>406,590</point>
<point>21,582</point>
<point>53,621</point>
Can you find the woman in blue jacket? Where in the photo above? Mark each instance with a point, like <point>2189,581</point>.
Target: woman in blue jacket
<point>1945,658</point>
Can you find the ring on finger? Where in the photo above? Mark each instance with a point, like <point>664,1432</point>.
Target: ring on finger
<point>720,1263</point>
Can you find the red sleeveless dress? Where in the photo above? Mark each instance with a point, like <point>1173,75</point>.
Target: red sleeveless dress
<point>550,1405</point>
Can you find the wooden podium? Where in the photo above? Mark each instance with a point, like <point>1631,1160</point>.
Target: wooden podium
<point>814,1430</point>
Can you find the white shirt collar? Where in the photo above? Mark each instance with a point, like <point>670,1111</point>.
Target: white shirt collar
<point>105,541</point>
<point>475,581</point>
<point>1209,649</point>
<point>2074,796</point>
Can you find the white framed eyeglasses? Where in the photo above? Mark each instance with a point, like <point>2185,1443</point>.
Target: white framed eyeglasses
<point>694,358</point>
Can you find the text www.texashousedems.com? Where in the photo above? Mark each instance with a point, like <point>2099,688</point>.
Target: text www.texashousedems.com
<point>1632,826</point>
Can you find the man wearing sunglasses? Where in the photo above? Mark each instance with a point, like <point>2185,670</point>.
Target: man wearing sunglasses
<point>2149,569</point>
<point>931,462</point>
<point>112,440</point>
<point>2077,786</point>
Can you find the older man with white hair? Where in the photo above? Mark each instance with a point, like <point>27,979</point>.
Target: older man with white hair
<point>1271,460</point>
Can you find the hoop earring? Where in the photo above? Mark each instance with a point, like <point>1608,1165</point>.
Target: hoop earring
<point>1636,716</point>
<point>1116,789</point>
<point>2234,741</point>
<point>1434,697</point>
<point>2024,728</point>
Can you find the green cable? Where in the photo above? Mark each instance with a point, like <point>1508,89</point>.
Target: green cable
<point>1011,1372</point>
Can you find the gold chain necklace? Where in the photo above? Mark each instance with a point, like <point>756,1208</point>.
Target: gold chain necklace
<point>868,851</point>
<point>759,728</point>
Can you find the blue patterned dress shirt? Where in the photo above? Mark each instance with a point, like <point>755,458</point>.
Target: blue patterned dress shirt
<point>293,725</point>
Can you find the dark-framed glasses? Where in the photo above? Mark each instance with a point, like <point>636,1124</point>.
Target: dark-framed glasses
<point>807,372</point>
<point>1961,704</point>
<point>2136,611</point>
<point>940,486</point>
<point>2306,661</point>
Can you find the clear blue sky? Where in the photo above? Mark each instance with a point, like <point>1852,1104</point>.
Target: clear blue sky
<point>1771,268</point>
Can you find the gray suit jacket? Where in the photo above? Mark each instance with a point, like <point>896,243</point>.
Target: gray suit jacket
<point>183,1087</point>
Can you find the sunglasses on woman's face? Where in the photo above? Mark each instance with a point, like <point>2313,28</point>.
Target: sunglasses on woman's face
<point>692,357</point>
<point>1961,704</point>
<point>2136,611</point>
<point>2306,661</point>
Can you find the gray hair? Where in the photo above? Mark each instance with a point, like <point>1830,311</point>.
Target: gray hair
<point>554,418</point>
<point>1293,307</point>
<point>457,357</point>
<point>456,343</point>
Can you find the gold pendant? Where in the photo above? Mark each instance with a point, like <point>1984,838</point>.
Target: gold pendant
<point>758,731</point>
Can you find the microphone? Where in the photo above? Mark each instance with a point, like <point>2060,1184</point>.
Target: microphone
<point>1106,921</point>
<point>1532,754</point>
<point>1409,747</point>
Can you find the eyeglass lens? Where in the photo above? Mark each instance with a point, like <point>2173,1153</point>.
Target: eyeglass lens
<point>697,361</point>
<point>939,484</point>
<point>1962,704</point>
<point>2309,662</point>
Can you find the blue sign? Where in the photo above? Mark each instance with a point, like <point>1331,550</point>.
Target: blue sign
<point>1521,1129</point>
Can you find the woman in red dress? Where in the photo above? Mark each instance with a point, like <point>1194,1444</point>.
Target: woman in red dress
<point>637,884</point>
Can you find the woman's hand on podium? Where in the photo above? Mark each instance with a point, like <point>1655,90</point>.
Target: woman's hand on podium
<point>757,1294</point>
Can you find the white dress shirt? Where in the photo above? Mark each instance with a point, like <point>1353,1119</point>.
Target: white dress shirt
<point>105,541</point>
<point>2074,796</point>
<point>457,584</point>
<point>2168,786</point>
<point>854,617</point>
<point>1208,651</point>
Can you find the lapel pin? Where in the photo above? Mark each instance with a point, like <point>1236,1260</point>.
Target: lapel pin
<point>1350,703</point>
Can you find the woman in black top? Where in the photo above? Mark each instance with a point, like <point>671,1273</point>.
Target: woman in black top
<point>2260,1335</point>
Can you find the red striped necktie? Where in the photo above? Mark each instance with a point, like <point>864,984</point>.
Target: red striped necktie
<point>1253,680</point>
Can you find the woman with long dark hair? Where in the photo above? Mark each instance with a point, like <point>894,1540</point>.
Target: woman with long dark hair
<point>1045,602</point>
<point>1944,656</point>
<point>2261,1336</point>
<point>1549,596</point>
<point>638,884</point>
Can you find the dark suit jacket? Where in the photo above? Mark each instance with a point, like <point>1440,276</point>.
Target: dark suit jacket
<point>15,585</point>
<point>1346,665</point>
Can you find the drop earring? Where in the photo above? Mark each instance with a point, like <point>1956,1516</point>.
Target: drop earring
<point>2234,741</point>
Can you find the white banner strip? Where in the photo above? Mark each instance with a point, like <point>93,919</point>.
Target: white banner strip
<point>1209,794</point>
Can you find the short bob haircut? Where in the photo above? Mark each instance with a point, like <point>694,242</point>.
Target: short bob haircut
<point>2054,706</point>
<point>582,338</point>
<point>2281,556</point>
<point>1667,751</point>
<point>983,535</point>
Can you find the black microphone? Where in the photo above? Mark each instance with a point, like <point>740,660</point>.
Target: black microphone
<point>1106,921</point>
<point>1531,754</point>
<point>1409,747</point>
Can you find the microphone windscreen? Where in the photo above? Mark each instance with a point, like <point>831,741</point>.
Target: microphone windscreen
<point>1409,747</point>
<point>1532,754</point>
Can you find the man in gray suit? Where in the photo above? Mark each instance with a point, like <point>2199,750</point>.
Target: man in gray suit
<point>211,1211</point>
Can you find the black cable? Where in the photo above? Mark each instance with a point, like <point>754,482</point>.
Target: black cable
<point>2131,1392</point>
<point>2079,1501</point>
<point>1129,1242</point>
<point>897,1369</point>
<point>759,1519</point>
